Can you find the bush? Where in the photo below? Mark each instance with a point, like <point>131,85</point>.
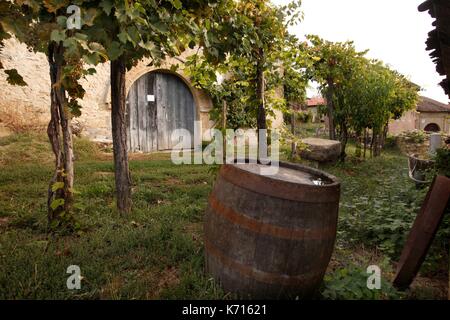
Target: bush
<point>305,117</point>
<point>351,284</point>
<point>390,142</point>
<point>442,164</point>
<point>416,136</point>
<point>300,116</point>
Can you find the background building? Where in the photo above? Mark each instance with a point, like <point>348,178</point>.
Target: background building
<point>430,115</point>
<point>159,100</point>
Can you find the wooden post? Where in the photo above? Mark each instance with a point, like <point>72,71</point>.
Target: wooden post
<point>330,104</point>
<point>294,144</point>
<point>119,133</point>
<point>261,115</point>
<point>365,142</point>
<point>60,136</point>
<point>224,129</point>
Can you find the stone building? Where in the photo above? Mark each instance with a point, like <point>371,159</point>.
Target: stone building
<point>158,99</point>
<point>430,115</point>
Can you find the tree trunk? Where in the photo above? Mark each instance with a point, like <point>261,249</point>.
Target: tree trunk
<point>330,104</point>
<point>119,134</point>
<point>224,130</point>
<point>60,190</point>
<point>372,142</point>
<point>359,138</point>
<point>376,143</point>
<point>344,140</point>
<point>261,118</point>
<point>385,133</point>
<point>366,136</point>
<point>294,143</point>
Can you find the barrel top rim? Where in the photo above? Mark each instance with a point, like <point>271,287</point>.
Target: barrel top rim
<point>334,181</point>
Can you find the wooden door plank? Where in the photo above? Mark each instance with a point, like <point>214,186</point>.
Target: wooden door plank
<point>181,114</point>
<point>151,115</point>
<point>134,124</point>
<point>142,113</point>
<point>161,105</point>
<point>173,109</point>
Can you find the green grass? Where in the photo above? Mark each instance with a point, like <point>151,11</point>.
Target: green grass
<point>157,252</point>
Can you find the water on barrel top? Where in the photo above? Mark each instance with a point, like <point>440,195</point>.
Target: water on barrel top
<point>288,174</point>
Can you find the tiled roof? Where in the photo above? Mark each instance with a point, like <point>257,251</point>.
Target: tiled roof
<point>316,101</point>
<point>429,105</point>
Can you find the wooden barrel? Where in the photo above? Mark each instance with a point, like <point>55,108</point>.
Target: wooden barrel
<point>271,237</point>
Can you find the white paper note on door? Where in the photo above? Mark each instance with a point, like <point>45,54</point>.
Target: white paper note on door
<point>150,98</point>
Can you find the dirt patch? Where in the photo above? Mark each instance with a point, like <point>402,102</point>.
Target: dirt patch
<point>173,181</point>
<point>168,277</point>
<point>149,156</point>
<point>196,230</point>
<point>4,222</point>
<point>112,288</point>
<point>5,131</point>
<point>349,172</point>
<point>103,174</point>
<point>425,288</point>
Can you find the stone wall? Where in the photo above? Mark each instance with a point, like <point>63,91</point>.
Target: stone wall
<point>24,104</point>
<point>30,104</point>
<point>407,122</point>
<point>441,119</point>
<point>413,120</point>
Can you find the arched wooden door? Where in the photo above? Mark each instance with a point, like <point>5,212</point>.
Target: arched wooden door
<point>158,103</point>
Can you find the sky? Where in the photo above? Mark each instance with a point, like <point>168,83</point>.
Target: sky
<point>394,31</point>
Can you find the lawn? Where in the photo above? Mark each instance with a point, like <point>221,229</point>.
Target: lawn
<point>157,252</point>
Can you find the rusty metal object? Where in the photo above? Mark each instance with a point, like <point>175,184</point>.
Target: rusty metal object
<point>271,237</point>
<point>423,232</point>
<point>418,168</point>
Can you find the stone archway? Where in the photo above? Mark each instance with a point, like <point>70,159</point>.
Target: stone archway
<point>432,127</point>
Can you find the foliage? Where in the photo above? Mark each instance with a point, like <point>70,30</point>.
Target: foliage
<point>442,161</point>
<point>235,89</point>
<point>14,78</point>
<point>378,206</point>
<point>245,40</point>
<point>416,136</point>
<point>8,14</point>
<point>379,202</point>
<point>155,255</point>
<point>294,71</point>
<point>300,116</point>
<point>350,283</point>
<point>305,117</point>
<point>390,142</point>
<point>361,93</point>
<point>158,252</point>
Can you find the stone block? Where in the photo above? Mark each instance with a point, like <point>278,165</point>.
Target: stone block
<point>321,150</point>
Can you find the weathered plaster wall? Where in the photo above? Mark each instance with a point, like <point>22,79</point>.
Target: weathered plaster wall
<point>407,122</point>
<point>31,103</point>
<point>413,120</point>
<point>24,103</point>
<point>441,119</point>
